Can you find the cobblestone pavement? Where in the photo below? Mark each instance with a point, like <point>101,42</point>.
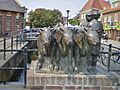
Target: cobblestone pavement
<point>12,87</point>
<point>114,43</point>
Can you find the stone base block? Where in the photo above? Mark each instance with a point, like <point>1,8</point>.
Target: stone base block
<point>40,81</point>
<point>72,82</point>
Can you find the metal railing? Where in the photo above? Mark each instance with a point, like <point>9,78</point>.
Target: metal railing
<point>110,57</point>
<point>24,68</point>
<point>11,43</point>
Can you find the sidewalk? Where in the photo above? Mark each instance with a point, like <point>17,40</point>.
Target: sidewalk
<point>113,42</point>
<point>12,87</point>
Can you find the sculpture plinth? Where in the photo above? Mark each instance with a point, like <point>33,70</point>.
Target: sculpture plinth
<point>45,81</point>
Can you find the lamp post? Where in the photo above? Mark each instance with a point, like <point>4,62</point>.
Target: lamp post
<point>67,16</point>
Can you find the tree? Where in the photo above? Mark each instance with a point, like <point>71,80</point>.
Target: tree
<point>45,18</point>
<point>74,22</point>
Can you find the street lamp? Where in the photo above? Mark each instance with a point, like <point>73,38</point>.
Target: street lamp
<point>67,16</point>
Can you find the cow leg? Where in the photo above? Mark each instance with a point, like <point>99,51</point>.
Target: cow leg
<point>94,60</point>
<point>76,59</point>
<point>92,64</point>
<point>52,60</point>
<point>57,60</point>
<point>40,61</point>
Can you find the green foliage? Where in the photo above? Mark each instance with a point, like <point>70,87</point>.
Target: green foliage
<point>44,17</point>
<point>74,22</point>
<point>107,27</point>
<point>117,25</point>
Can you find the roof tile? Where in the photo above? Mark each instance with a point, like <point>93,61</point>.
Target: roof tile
<point>10,5</point>
<point>97,4</point>
<point>111,10</point>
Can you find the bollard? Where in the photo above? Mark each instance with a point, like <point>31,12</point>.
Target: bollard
<point>4,48</point>
<point>11,45</point>
<point>25,66</point>
<point>109,56</point>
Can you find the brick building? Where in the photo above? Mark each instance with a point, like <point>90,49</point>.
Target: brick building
<point>11,17</point>
<point>93,5</point>
<point>111,17</point>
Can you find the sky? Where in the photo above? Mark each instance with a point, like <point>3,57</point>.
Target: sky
<point>73,5</point>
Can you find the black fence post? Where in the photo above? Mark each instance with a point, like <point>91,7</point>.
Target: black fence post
<point>24,38</point>
<point>109,56</point>
<point>11,45</point>
<point>4,48</point>
<point>20,43</point>
<point>16,42</point>
<point>25,66</point>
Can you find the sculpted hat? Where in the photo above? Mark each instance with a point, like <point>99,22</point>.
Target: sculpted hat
<point>89,16</point>
<point>96,14</point>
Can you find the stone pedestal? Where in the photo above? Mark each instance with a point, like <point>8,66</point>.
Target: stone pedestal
<point>52,81</point>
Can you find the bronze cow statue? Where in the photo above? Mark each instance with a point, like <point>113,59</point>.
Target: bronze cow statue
<point>94,44</point>
<point>68,49</point>
<point>57,35</point>
<point>81,49</point>
<point>44,45</point>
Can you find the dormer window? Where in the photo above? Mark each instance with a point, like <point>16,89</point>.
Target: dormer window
<point>116,3</point>
<point>104,8</point>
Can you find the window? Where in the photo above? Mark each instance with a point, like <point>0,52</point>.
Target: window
<point>0,23</point>
<point>116,17</point>
<point>112,24</point>
<point>104,8</point>
<point>23,22</point>
<point>17,24</point>
<point>82,16</point>
<point>105,19</point>
<point>115,5</point>
<point>8,23</point>
<point>109,19</point>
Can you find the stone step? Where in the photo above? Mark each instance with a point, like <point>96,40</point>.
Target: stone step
<point>51,81</point>
<point>73,87</point>
<point>97,80</point>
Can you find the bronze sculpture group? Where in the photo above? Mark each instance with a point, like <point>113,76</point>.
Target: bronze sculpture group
<point>71,50</point>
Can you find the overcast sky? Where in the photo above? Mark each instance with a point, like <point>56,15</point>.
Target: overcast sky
<point>73,5</point>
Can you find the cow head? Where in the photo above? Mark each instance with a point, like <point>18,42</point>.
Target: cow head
<point>79,36</point>
<point>44,39</point>
<point>68,36</point>
<point>58,35</point>
<point>92,36</point>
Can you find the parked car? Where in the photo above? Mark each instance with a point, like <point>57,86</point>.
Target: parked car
<point>32,33</point>
<point>25,30</point>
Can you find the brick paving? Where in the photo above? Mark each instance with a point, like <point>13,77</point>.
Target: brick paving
<point>114,43</point>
